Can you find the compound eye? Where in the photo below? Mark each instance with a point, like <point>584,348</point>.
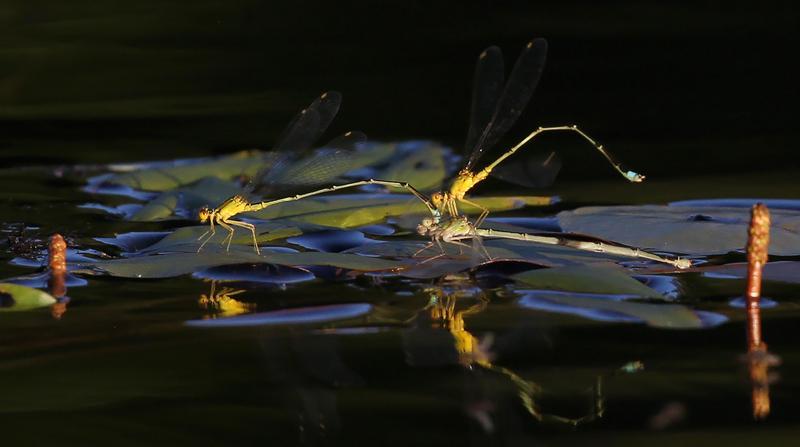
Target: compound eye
<point>204,214</point>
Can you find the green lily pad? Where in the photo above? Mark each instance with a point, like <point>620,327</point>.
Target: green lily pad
<point>176,264</point>
<point>424,168</point>
<point>14,297</point>
<point>162,207</point>
<point>682,229</point>
<point>209,190</point>
<point>606,279</point>
<point>353,211</point>
<point>165,178</point>
<point>186,239</point>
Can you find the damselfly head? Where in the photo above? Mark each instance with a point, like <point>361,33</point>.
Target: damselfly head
<point>438,199</point>
<point>204,214</point>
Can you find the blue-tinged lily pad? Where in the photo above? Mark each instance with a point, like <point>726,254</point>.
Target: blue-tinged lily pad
<point>298,316</point>
<point>605,279</point>
<point>603,307</point>
<point>256,272</point>
<point>683,229</point>
<point>331,241</point>
<point>133,241</point>
<point>182,263</point>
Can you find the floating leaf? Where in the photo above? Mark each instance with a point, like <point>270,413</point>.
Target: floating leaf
<point>186,239</point>
<point>459,259</point>
<point>134,241</point>
<point>605,279</point>
<point>209,190</point>
<point>781,271</point>
<point>331,240</point>
<point>164,178</point>
<point>258,273</point>
<point>357,210</point>
<point>424,167</point>
<point>682,229</point>
<point>303,315</point>
<point>175,264</point>
<point>15,297</point>
<point>612,308</point>
<point>162,207</point>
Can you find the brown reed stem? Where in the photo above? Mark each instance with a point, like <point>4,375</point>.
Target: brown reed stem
<point>757,245</point>
<point>758,357</point>
<point>58,274</point>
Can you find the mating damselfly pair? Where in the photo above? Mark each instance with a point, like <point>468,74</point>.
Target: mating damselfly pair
<point>496,105</point>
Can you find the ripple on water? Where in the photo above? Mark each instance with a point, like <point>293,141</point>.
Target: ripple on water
<point>740,302</point>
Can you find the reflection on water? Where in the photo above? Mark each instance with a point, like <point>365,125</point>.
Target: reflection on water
<point>438,336</point>
<point>220,303</point>
<point>335,359</point>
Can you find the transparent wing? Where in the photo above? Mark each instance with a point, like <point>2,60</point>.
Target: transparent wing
<point>517,92</point>
<point>486,87</point>
<point>297,139</point>
<point>308,125</point>
<point>479,253</point>
<point>324,166</point>
<point>535,171</point>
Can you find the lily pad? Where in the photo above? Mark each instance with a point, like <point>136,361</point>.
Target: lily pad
<point>176,264</point>
<point>256,273</point>
<point>165,178</point>
<point>612,308</point>
<point>782,271</point>
<point>303,315</point>
<point>161,207</point>
<point>15,297</point>
<point>357,210</point>
<point>186,239</point>
<point>683,229</point>
<point>605,279</point>
<point>458,260</point>
<point>424,167</point>
<point>209,190</point>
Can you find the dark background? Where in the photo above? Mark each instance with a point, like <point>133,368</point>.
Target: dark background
<point>674,88</point>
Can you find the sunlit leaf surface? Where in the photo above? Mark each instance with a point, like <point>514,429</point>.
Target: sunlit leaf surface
<point>165,178</point>
<point>15,297</point>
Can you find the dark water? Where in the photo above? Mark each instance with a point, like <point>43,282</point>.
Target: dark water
<point>335,361</point>
<point>701,99</point>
